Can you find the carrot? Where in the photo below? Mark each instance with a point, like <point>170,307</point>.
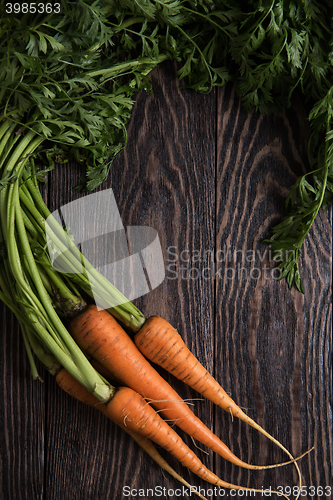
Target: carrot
<point>149,448</point>
<point>104,372</point>
<point>99,334</point>
<point>70,385</point>
<point>128,409</point>
<point>162,344</point>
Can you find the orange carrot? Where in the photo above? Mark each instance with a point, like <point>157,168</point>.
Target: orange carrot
<point>70,385</point>
<point>162,344</point>
<point>128,409</point>
<point>99,334</point>
<point>104,372</point>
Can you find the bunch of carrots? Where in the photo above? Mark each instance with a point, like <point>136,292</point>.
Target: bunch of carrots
<point>87,348</point>
<point>55,104</point>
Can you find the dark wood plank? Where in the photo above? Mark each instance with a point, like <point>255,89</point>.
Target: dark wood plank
<point>22,417</point>
<point>171,155</point>
<point>271,343</point>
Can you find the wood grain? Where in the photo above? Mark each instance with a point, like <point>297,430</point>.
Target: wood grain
<point>22,418</point>
<point>211,179</point>
<point>262,328</point>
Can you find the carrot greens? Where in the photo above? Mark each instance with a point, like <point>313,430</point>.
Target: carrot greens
<point>70,77</point>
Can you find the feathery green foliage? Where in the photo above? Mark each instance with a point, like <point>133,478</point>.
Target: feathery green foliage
<point>71,77</point>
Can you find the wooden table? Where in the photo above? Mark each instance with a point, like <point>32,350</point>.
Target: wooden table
<point>212,180</point>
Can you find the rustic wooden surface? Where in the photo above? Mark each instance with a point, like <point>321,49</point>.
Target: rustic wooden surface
<point>211,179</point>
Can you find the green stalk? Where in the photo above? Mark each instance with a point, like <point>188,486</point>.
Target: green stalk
<point>29,225</point>
<point>125,311</point>
<point>28,294</point>
<point>23,148</point>
<point>5,126</point>
<point>33,368</point>
<point>19,229</point>
<point>48,360</point>
<point>6,145</point>
<point>71,300</point>
<point>126,66</point>
<point>14,261</point>
<point>93,381</point>
<point>25,192</point>
<point>67,362</point>
<point>6,300</point>
<point>70,304</point>
<point>11,218</point>
<point>102,288</point>
<point>30,340</point>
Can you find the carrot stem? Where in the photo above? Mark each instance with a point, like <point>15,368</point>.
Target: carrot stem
<point>80,359</point>
<point>92,281</point>
<point>21,266</point>
<point>34,371</point>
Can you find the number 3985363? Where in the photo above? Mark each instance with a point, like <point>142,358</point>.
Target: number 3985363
<point>32,8</point>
